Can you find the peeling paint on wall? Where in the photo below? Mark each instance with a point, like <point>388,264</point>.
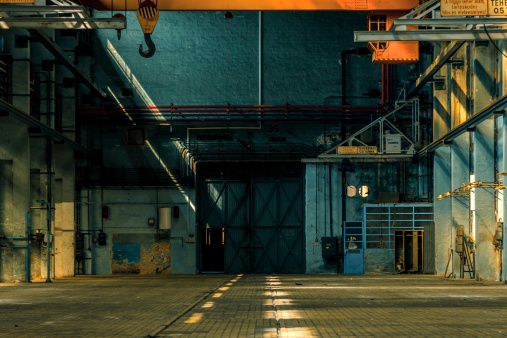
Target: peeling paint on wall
<point>132,258</point>
<point>126,258</point>
<point>156,260</point>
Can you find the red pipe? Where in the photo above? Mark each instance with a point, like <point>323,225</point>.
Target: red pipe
<point>385,83</point>
<point>286,109</point>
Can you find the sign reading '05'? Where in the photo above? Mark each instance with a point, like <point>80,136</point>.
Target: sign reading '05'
<point>473,7</point>
<point>497,7</point>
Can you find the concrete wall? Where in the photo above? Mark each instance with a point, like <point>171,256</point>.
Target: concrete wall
<point>15,158</point>
<point>472,84</point>
<point>133,244</point>
<point>38,169</point>
<point>202,59</point>
<point>324,214</point>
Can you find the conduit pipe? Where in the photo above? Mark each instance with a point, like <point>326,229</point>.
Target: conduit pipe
<point>260,58</point>
<point>254,113</point>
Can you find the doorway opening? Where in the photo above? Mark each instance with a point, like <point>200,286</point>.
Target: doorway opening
<point>213,244</point>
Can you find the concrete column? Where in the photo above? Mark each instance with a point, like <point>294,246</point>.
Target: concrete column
<point>64,116</point>
<point>16,150</point>
<point>503,180</point>
<point>317,216</point>
<point>487,266</point>
<point>460,205</point>
<point>442,210</point>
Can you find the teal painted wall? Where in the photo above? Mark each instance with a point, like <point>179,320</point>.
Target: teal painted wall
<point>202,58</point>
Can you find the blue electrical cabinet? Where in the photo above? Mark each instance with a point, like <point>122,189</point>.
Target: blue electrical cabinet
<point>353,260</point>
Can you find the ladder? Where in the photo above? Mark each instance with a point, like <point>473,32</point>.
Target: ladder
<point>466,263</point>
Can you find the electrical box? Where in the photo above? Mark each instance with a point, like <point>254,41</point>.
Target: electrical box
<point>460,239</point>
<point>329,246</point>
<point>499,232</point>
<point>392,143</point>
<point>102,238</point>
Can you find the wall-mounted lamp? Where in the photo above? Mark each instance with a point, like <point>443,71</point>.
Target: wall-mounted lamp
<point>364,191</point>
<point>351,191</point>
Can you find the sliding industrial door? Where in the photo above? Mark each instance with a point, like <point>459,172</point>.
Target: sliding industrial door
<point>251,226</point>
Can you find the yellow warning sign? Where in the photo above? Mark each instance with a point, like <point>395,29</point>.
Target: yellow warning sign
<point>464,7</point>
<point>356,150</point>
<point>473,7</point>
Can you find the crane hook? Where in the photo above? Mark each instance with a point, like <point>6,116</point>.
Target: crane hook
<point>151,47</point>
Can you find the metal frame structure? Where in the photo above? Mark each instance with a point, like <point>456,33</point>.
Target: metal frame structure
<point>432,27</point>
<point>45,129</point>
<point>64,15</point>
<point>381,220</point>
<point>497,107</point>
<point>384,125</point>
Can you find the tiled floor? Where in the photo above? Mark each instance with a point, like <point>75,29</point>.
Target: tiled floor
<point>254,306</point>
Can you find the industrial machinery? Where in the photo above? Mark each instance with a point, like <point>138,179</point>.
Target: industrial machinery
<point>383,14</point>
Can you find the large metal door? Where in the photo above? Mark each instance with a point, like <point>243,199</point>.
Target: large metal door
<point>262,222</point>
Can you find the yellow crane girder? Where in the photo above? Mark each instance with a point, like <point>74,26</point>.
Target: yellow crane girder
<point>257,5</point>
<point>148,12</point>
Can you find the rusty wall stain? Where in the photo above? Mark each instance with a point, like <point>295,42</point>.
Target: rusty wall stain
<point>157,259</point>
<point>125,267</point>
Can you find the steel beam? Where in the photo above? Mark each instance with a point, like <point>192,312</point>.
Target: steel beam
<point>54,49</point>
<point>363,158</point>
<point>48,17</point>
<point>495,108</point>
<point>61,23</point>
<point>439,61</point>
<point>257,5</point>
<point>45,129</point>
<point>457,22</point>
<point>29,9</point>
<point>431,35</point>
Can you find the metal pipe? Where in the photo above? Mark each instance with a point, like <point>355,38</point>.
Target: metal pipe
<point>245,113</point>
<point>330,200</point>
<point>286,108</point>
<point>260,58</point>
<point>48,246</point>
<point>49,168</point>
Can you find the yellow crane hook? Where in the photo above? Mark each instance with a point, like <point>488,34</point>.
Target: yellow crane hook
<point>147,14</point>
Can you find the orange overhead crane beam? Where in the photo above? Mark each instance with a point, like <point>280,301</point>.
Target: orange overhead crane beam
<point>257,5</point>
<point>148,13</point>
